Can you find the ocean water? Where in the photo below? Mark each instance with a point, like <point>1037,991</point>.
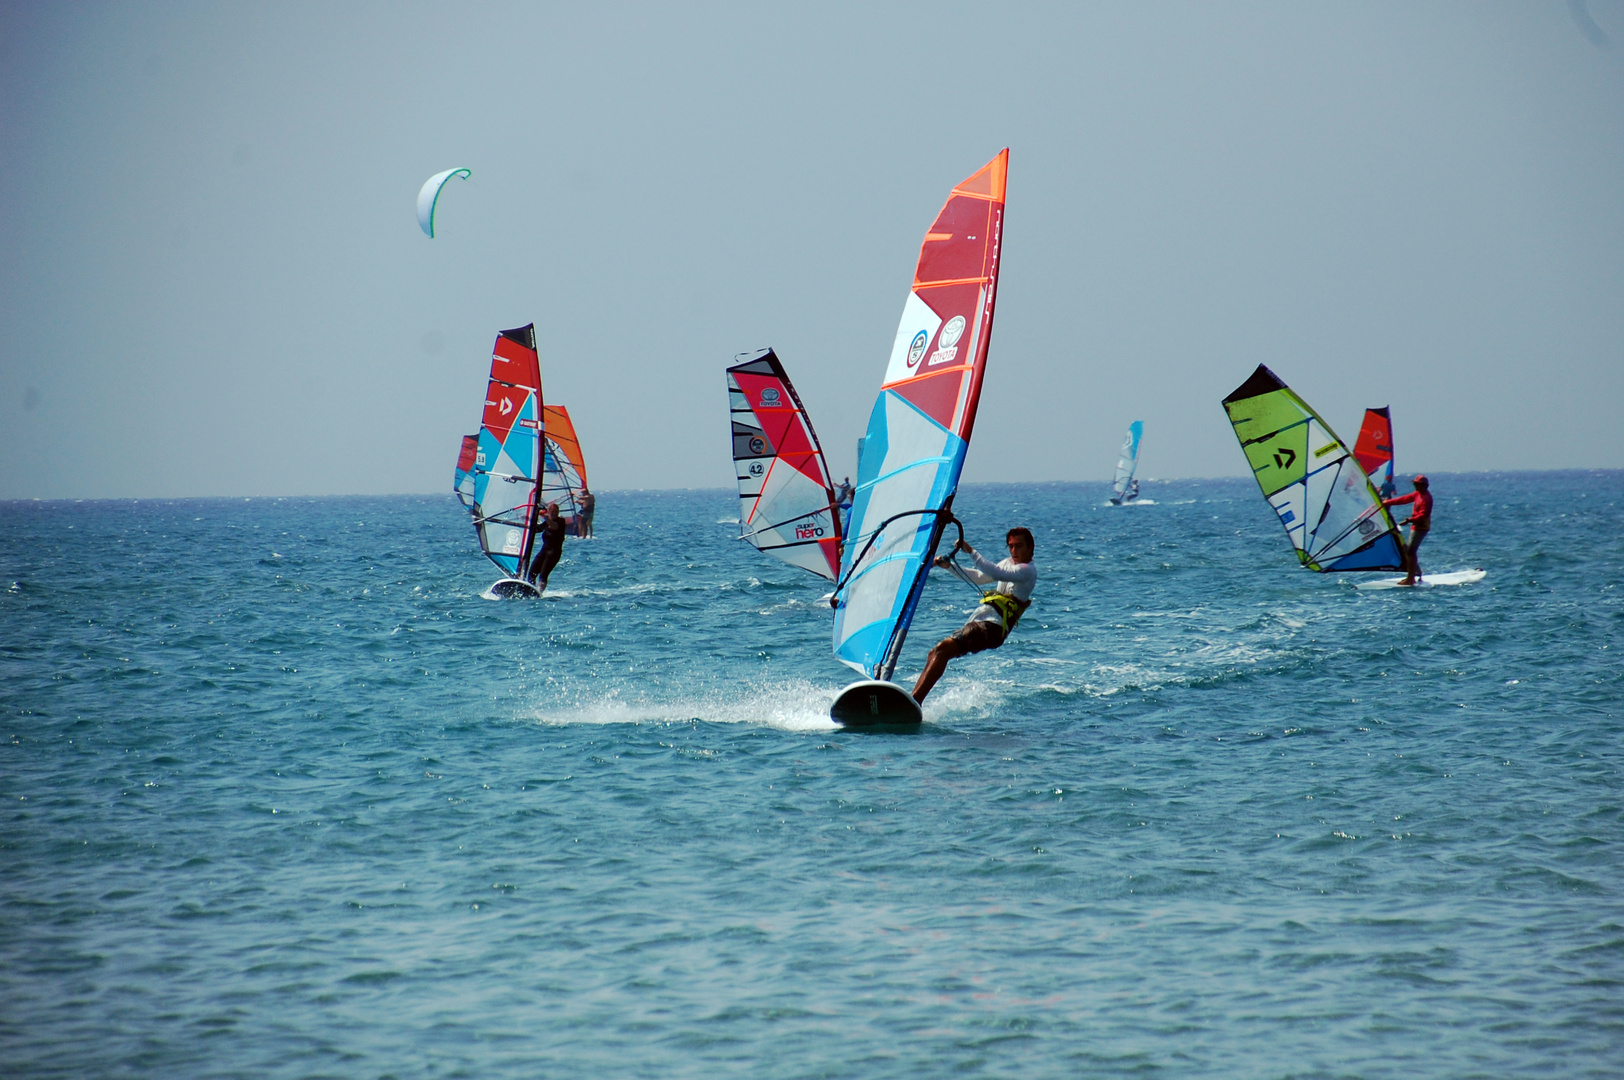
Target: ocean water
<point>282,796</point>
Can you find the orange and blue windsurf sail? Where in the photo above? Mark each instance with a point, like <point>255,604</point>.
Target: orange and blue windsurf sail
<point>1326,503</point>
<point>787,502</point>
<point>497,469</point>
<point>919,430</point>
<point>1374,449</point>
<point>563,467</point>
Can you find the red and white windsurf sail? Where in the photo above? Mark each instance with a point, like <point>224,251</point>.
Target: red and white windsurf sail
<point>787,503</point>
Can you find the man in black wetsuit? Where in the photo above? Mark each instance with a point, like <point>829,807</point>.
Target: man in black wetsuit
<point>550,541</point>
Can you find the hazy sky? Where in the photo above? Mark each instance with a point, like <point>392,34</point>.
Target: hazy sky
<point>214,283</point>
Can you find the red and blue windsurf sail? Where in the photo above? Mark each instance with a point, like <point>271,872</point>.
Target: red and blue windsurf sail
<point>497,469</point>
<point>919,430</point>
<point>1374,449</point>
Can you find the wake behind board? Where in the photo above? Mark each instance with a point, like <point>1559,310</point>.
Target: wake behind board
<point>1457,577</point>
<point>873,703</point>
<point>512,589</point>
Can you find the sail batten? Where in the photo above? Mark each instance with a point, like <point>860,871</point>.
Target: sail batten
<point>920,426</point>
<point>787,500</point>
<point>1327,505</point>
<point>496,468</point>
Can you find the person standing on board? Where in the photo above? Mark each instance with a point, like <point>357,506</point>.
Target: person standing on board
<point>1420,523</point>
<point>550,529</point>
<point>1001,608</point>
<point>583,518</point>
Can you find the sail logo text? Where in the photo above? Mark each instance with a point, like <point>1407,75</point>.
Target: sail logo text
<point>807,531</point>
<point>769,398</point>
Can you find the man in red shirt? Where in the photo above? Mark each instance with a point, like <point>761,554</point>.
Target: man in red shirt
<point>1419,521</point>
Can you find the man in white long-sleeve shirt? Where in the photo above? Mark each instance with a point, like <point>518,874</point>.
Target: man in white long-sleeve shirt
<point>1001,608</point>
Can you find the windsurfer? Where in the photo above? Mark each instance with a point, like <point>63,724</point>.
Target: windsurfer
<point>1420,523</point>
<point>583,519</point>
<point>843,494</point>
<point>550,528</point>
<point>990,624</point>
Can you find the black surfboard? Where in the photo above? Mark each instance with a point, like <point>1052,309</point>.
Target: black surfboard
<point>875,704</point>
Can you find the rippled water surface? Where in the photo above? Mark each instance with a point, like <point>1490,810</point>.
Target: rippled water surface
<point>283,797</point>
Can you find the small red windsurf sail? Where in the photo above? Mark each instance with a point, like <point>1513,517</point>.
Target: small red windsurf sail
<point>1374,449</point>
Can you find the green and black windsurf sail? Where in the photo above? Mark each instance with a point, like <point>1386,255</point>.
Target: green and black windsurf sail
<point>1326,503</point>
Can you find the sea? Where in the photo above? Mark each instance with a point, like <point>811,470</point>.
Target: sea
<point>281,795</point>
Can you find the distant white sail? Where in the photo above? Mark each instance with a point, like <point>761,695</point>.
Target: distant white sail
<point>1124,487</point>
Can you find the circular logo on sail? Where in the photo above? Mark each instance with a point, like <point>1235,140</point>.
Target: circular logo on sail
<point>917,348</point>
<point>1366,527</point>
<point>769,398</point>
<point>952,331</point>
<point>757,446</point>
<point>756,469</point>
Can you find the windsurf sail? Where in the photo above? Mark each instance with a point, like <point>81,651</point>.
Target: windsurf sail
<point>1374,450</point>
<point>787,502</point>
<point>1123,488</point>
<point>563,468</point>
<point>497,469</point>
<point>1325,501</point>
<point>920,426</point>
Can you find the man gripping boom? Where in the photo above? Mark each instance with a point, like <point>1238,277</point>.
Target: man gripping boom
<point>1001,607</point>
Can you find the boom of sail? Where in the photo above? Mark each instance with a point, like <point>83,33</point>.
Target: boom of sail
<point>787,503</point>
<point>1325,501</point>
<point>497,469</point>
<point>563,467</point>
<point>919,429</point>
<point>1123,488</point>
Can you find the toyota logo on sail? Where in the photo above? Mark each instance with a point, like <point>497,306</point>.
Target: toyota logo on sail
<point>769,398</point>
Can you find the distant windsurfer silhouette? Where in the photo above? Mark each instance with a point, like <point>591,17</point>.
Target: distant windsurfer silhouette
<point>550,530</point>
<point>583,518</point>
<point>1420,523</point>
<point>990,624</point>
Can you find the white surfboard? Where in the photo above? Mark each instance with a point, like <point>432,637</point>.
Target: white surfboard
<point>1457,577</point>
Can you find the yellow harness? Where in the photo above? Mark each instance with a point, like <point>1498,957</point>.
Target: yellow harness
<point>1008,607</point>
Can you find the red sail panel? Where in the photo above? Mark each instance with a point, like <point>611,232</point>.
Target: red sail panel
<point>1374,449</point>
<point>957,280</point>
<point>787,435</point>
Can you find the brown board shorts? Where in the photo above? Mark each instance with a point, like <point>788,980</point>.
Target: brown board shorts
<point>973,638</point>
